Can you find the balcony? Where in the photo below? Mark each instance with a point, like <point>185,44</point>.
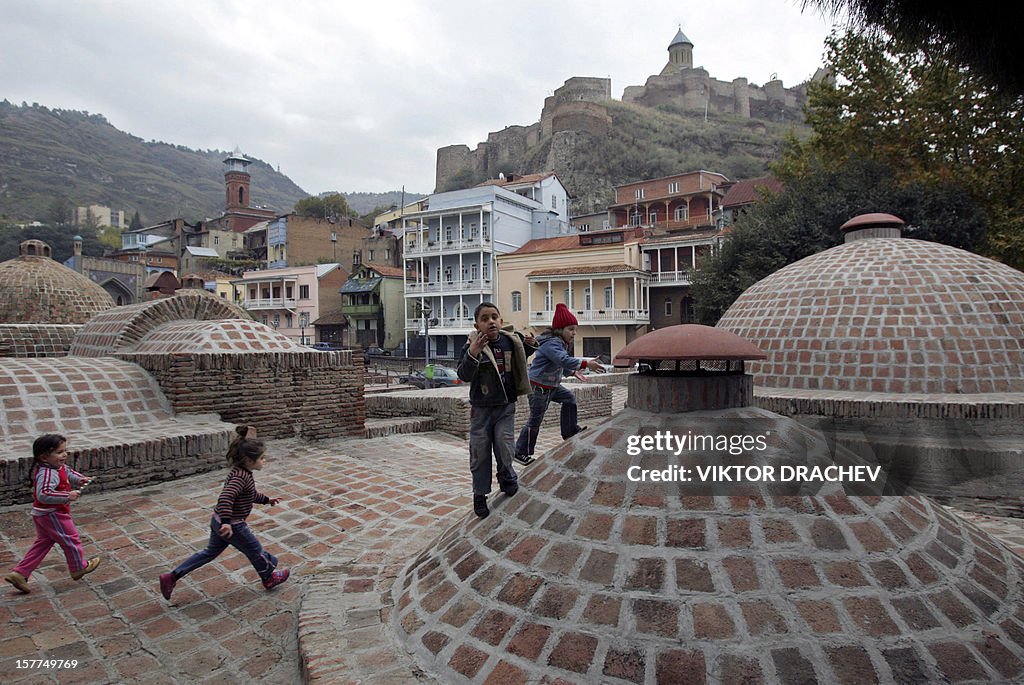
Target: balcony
<point>663,278</point>
<point>361,310</point>
<point>445,325</point>
<point>270,303</point>
<point>597,317</point>
<point>477,285</point>
<point>436,247</point>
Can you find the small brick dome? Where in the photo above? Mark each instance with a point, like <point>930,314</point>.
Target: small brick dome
<point>36,289</point>
<point>888,315</point>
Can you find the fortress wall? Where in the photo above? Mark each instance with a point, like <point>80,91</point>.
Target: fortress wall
<point>587,117</point>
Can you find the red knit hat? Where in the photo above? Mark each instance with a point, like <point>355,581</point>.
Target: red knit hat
<point>563,317</point>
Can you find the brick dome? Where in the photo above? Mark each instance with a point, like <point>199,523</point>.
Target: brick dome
<point>36,289</point>
<point>887,315</point>
<point>586,576</point>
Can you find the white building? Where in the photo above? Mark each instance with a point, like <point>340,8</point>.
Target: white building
<point>450,246</point>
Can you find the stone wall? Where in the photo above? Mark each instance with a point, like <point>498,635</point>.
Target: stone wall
<point>581,116</point>
<point>450,407</point>
<point>36,340</point>
<point>312,395</point>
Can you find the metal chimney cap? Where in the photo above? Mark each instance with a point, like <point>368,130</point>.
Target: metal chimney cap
<point>874,220</point>
<point>688,341</point>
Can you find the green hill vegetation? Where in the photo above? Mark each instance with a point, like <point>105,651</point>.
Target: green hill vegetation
<point>80,157</point>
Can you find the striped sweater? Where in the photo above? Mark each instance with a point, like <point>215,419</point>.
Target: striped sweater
<point>237,497</point>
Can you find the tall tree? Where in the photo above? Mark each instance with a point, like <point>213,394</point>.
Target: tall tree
<point>805,218</point>
<point>333,206</point>
<point>913,109</point>
<point>136,221</point>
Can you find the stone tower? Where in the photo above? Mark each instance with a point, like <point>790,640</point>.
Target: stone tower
<point>680,54</point>
<point>236,181</point>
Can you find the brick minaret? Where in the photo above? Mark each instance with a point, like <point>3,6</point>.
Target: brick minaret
<point>236,181</point>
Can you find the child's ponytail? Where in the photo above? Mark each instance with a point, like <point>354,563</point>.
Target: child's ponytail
<point>240,434</point>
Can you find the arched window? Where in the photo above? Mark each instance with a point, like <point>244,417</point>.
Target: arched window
<point>517,301</point>
<point>241,196</point>
<point>682,213</point>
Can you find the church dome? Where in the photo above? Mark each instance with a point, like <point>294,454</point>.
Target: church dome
<point>887,315</point>
<point>36,289</point>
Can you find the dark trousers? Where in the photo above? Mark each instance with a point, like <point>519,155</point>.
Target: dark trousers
<point>491,431</point>
<point>241,539</point>
<point>539,401</point>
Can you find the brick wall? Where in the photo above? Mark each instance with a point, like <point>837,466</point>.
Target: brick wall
<point>36,340</point>
<point>450,407</point>
<point>309,240</point>
<point>313,395</point>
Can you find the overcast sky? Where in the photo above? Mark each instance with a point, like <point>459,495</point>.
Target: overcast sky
<point>355,95</point>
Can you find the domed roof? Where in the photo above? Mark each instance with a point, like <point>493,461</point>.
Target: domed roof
<point>36,289</point>
<point>590,574</point>
<point>223,336</point>
<point>888,315</point>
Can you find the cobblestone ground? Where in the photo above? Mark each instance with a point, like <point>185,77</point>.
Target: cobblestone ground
<point>353,512</point>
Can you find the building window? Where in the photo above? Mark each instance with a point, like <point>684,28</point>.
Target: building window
<point>448,233</point>
<point>304,319</point>
<point>216,240</point>
<point>668,307</point>
<point>608,297</point>
<point>639,193</point>
<point>634,218</point>
<point>357,257</point>
<point>588,303</point>
<point>548,301</point>
<point>370,255</point>
<point>462,311</point>
<point>485,271</point>
<point>288,320</point>
<point>554,202</point>
<point>387,255</point>
<point>277,321</point>
<point>673,187</point>
<point>653,216</point>
<point>583,228</point>
<point>682,213</point>
<point>517,301</point>
<point>448,274</point>
<point>303,292</point>
<point>565,297</point>
<point>473,270</point>
<point>265,320</point>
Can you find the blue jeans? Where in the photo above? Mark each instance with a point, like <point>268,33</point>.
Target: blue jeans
<point>241,539</point>
<point>539,401</point>
<point>491,430</point>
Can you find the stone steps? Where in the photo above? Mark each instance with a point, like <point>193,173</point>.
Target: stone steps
<point>378,428</point>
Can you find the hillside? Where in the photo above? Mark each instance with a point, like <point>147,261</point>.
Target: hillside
<point>51,153</point>
<point>630,143</point>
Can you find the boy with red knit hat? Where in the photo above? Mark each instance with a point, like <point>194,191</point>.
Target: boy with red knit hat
<point>551,363</point>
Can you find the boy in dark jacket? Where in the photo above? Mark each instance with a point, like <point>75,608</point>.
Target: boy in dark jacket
<point>493,362</point>
<point>549,366</point>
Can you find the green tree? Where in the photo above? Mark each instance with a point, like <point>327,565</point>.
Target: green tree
<point>136,221</point>
<point>333,206</point>
<point>805,218</point>
<point>934,123</point>
<point>58,212</point>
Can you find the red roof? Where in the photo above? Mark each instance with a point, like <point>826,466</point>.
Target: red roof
<point>383,270</point>
<point>572,242</point>
<point>746,192</point>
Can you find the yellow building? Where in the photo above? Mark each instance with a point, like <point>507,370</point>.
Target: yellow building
<point>598,275</point>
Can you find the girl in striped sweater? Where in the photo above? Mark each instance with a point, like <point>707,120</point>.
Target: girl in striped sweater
<point>227,526</point>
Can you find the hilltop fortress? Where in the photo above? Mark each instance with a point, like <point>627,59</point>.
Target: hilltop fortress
<point>579,107</point>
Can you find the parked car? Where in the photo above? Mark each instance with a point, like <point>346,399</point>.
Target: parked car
<point>377,352</point>
<point>327,346</point>
<point>444,377</point>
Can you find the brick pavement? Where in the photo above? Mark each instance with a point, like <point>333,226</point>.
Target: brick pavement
<point>354,512</point>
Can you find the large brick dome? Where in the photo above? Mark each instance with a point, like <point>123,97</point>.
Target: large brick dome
<point>36,289</point>
<point>888,315</point>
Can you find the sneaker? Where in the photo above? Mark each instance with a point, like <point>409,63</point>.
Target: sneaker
<point>480,506</point>
<point>167,583</point>
<point>89,568</point>
<point>510,489</point>
<point>524,459</point>
<point>18,581</point>
<point>276,578</point>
